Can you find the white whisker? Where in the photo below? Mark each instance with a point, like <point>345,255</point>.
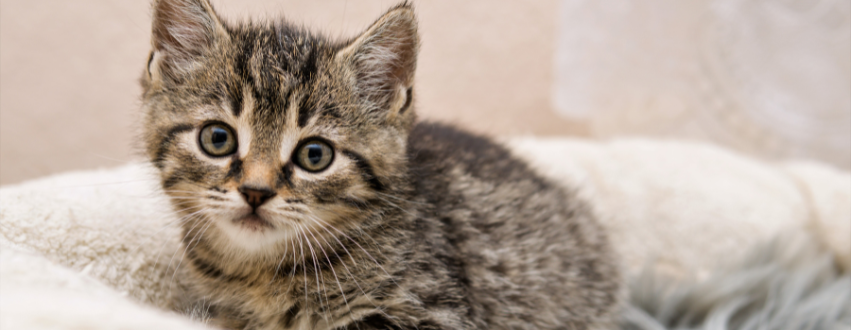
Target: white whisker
<point>182,219</point>
<point>188,246</point>
<point>303,268</point>
<point>319,290</point>
<point>331,265</point>
<point>184,238</point>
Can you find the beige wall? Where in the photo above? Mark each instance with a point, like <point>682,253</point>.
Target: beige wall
<point>68,70</point>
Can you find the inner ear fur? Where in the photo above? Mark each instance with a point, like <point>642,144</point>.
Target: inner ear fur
<point>384,58</point>
<point>182,32</point>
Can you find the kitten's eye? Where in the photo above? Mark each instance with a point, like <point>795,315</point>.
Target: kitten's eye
<point>314,156</point>
<point>217,140</point>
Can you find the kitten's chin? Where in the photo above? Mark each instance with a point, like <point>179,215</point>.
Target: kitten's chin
<point>253,222</point>
<point>252,232</point>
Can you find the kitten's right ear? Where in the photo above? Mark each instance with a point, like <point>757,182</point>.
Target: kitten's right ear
<point>183,30</point>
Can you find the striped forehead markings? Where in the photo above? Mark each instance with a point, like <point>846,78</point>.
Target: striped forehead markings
<point>305,111</point>
<point>236,101</point>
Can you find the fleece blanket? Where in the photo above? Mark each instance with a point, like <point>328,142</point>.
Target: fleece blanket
<point>97,249</point>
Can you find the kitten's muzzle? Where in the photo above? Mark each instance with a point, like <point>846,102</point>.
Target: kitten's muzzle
<point>255,196</point>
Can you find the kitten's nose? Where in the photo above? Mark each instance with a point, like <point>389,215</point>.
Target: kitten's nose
<point>256,196</point>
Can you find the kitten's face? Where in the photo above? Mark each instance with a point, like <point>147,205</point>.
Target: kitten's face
<point>264,133</point>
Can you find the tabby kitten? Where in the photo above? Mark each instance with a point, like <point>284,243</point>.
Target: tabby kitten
<point>312,199</point>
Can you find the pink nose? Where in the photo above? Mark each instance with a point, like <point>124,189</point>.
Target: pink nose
<point>256,196</point>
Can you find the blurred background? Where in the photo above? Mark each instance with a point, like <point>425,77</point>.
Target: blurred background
<point>770,78</point>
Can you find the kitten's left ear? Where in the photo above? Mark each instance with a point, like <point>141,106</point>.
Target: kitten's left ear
<point>384,59</point>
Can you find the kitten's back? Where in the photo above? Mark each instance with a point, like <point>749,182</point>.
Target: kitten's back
<point>527,252</point>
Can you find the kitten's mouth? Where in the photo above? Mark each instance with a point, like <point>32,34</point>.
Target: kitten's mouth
<point>253,222</point>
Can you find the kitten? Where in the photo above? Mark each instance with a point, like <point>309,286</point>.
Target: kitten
<point>311,198</point>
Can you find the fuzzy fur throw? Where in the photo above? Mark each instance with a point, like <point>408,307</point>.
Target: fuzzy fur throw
<point>788,283</point>
<point>97,249</point>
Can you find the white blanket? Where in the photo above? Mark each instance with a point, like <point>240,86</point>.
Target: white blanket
<point>95,250</point>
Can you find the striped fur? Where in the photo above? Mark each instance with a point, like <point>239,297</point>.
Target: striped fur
<point>412,226</point>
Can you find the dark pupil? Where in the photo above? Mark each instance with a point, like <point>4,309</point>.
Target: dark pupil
<point>314,153</point>
<point>219,137</point>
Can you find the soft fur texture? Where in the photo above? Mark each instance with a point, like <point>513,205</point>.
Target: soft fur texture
<point>706,203</point>
<point>789,283</point>
<point>40,294</point>
<point>110,225</point>
<point>390,224</point>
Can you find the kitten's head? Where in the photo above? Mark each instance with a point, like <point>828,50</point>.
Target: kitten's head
<point>263,131</point>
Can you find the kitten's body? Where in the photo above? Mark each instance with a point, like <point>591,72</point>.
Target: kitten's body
<point>477,242</point>
<point>411,226</point>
